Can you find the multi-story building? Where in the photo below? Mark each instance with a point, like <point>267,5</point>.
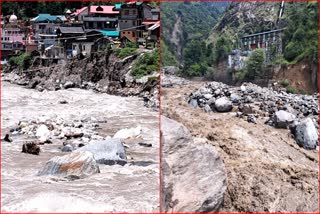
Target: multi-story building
<point>102,18</point>
<point>45,26</point>
<point>135,19</point>
<point>12,38</point>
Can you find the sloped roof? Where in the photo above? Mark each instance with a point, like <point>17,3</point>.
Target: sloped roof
<point>110,33</point>
<point>105,9</point>
<point>62,17</point>
<point>118,6</point>
<point>78,11</point>
<point>46,17</point>
<point>155,26</point>
<point>149,22</point>
<point>135,2</point>
<point>75,30</point>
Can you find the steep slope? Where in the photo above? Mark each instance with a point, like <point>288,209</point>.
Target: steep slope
<point>242,18</point>
<point>185,21</point>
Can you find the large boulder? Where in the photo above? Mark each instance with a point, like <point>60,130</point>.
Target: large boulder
<point>223,104</point>
<point>128,133</point>
<point>108,152</point>
<point>306,134</point>
<point>194,177</point>
<point>282,119</point>
<point>76,165</point>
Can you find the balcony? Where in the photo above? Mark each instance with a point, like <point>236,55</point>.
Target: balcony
<point>99,19</point>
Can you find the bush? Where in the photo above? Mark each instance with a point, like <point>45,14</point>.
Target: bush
<point>132,45</point>
<point>124,52</point>
<point>291,90</point>
<point>196,70</point>
<point>167,58</point>
<point>240,75</point>
<point>285,83</point>
<point>146,64</point>
<point>22,61</point>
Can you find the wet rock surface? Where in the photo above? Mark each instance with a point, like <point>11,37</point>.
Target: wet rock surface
<point>88,117</point>
<point>194,177</point>
<point>31,148</point>
<point>267,171</point>
<point>107,152</point>
<point>76,165</point>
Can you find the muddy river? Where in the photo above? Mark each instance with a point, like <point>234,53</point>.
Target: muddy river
<point>129,188</point>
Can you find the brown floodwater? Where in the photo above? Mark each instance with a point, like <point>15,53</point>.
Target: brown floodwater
<point>129,188</point>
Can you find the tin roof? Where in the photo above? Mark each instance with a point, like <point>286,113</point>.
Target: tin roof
<point>47,17</point>
<point>110,33</point>
<point>105,9</point>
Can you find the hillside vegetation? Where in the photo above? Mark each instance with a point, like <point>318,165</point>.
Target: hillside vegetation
<point>196,21</point>
<point>208,33</point>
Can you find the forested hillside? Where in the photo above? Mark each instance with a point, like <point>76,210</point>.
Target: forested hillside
<point>184,22</point>
<point>199,36</point>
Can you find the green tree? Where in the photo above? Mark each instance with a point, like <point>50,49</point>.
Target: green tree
<point>222,49</point>
<point>255,63</point>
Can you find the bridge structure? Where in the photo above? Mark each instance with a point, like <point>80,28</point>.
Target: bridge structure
<point>271,41</point>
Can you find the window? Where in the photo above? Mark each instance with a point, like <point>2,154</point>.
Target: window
<point>129,32</point>
<point>126,12</point>
<point>99,25</point>
<point>124,32</point>
<point>133,34</point>
<point>84,47</point>
<point>133,23</point>
<point>134,12</point>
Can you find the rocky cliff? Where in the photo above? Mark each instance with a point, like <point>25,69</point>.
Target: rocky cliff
<point>242,18</point>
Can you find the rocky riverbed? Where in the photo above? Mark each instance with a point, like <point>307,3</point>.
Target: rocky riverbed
<point>266,169</point>
<point>275,107</point>
<point>71,127</point>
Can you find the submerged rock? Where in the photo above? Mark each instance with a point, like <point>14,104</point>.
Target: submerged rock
<point>67,148</point>
<point>108,152</point>
<point>76,165</point>
<point>31,148</point>
<point>7,138</point>
<point>128,133</point>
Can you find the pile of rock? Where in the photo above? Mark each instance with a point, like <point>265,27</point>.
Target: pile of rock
<point>252,102</point>
<point>85,147</point>
<point>46,130</point>
<point>169,77</point>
